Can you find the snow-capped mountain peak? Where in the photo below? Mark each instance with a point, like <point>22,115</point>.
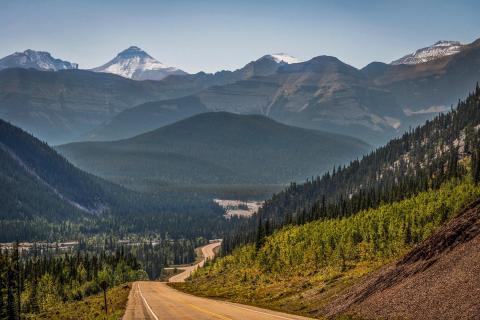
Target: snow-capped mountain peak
<point>40,60</point>
<point>437,50</point>
<point>282,58</point>
<point>134,63</point>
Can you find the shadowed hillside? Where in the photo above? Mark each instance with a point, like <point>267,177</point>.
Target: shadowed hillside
<point>217,148</point>
<point>44,196</point>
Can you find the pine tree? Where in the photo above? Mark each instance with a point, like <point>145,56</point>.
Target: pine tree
<point>33,297</point>
<point>260,234</point>
<point>11,307</point>
<point>476,166</point>
<point>2,303</point>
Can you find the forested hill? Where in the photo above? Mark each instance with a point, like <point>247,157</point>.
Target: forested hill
<point>39,186</point>
<point>422,158</point>
<point>216,148</point>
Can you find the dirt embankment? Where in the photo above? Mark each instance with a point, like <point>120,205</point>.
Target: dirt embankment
<point>439,279</point>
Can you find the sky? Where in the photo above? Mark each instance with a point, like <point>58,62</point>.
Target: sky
<point>213,35</point>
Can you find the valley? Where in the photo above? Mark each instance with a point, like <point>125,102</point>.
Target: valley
<point>239,160</point>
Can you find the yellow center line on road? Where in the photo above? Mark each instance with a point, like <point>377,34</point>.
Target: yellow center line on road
<point>260,312</point>
<point>216,315</point>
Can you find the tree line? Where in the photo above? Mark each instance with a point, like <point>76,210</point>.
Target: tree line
<point>33,281</point>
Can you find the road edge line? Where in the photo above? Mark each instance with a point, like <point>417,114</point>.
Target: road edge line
<point>146,303</point>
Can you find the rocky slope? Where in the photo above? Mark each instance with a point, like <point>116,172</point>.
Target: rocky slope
<point>439,279</point>
<point>438,50</point>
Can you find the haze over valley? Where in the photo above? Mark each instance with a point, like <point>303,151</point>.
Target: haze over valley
<point>239,160</point>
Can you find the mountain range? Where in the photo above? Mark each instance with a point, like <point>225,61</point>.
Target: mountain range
<point>67,105</point>
<point>374,103</point>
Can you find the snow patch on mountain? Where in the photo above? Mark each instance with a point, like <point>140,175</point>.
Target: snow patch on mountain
<point>134,63</point>
<point>40,60</point>
<point>283,58</point>
<point>438,50</point>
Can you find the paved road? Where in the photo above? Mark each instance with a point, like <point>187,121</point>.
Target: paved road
<point>157,301</point>
<point>207,252</point>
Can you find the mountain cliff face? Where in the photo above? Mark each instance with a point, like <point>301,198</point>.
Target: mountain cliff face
<point>39,60</point>
<point>136,64</point>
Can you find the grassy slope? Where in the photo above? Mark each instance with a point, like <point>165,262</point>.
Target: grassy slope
<point>300,268</point>
<point>91,307</point>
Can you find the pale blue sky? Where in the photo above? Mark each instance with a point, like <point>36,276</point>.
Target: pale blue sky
<point>212,35</point>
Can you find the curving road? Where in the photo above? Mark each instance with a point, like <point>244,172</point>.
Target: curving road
<point>157,301</point>
<point>207,253</point>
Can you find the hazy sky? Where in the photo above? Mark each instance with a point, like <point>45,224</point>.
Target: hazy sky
<point>212,35</point>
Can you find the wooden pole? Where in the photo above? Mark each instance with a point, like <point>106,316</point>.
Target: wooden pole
<point>105,301</point>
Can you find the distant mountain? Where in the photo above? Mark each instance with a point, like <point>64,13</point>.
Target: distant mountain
<point>374,104</point>
<point>282,58</point>
<point>66,105</point>
<point>264,66</point>
<point>216,148</point>
<point>322,93</point>
<point>153,115</point>
<point>62,106</point>
<point>422,90</point>
<point>437,50</point>
<point>136,64</point>
<point>146,117</point>
<point>39,60</point>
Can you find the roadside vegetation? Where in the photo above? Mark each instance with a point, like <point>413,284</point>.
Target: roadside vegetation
<point>33,286</point>
<point>297,268</point>
<point>91,307</point>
